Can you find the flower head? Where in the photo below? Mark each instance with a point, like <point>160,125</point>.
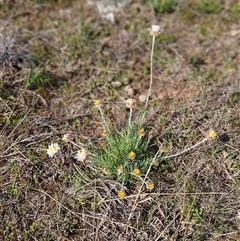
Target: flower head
<point>98,103</point>
<point>211,134</point>
<point>156,163</point>
<point>121,194</point>
<point>82,155</point>
<point>136,172</point>
<point>53,149</point>
<point>150,185</point>
<point>155,30</point>
<point>120,170</point>
<point>104,132</point>
<point>105,170</point>
<point>165,148</point>
<point>102,145</point>
<point>132,155</point>
<point>130,103</point>
<point>67,137</point>
<point>141,132</point>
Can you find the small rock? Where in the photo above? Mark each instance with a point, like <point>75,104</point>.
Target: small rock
<point>129,90</point>
<point>142,98</point>
<point>107,7</point>
<point>110,17</point>
<point>116,84</point>
<point>126,81</point>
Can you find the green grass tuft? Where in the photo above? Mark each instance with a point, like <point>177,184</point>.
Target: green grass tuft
<point>114,154</point>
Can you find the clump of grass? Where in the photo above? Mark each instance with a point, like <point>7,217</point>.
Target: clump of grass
<point>236,8</point>
<point>208,6</point>
<point>130,153</point>
<point>34,78</point>
<point>163,6</point>
<point>127,154</point>
<point>125,151</point>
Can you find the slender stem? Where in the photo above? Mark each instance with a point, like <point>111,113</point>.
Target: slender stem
<point>180,153</point>
<point>151,73</point>
<point>151,80</point>
<point>130,117</point>
<point>103,119</point>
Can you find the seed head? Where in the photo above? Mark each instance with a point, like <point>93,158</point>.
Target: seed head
<point>130,103</point>
<point>155,30</point>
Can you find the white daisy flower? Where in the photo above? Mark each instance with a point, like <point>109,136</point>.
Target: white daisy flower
<point>82,155</point>
<point>53,149</point>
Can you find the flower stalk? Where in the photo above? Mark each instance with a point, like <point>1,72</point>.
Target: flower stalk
<point>130,103</point>
<point>154,31</point>
<point>98,105</point>
<point>151,73</point>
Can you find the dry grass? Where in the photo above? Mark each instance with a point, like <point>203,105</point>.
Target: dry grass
<point>67,56</point>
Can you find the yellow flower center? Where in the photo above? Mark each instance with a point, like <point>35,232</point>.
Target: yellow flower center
<point>141,132</point>
<point>97,103</point>
<point>52,149</point>
<point>121,194</point>
<point>212,134</point>
<point>132,155</point>
<point>150,185</point>
<point>136,172</point>
<point>104,132</point>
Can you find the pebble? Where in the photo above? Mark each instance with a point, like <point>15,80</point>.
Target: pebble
<point>129,90</point>
<point>142,98</point>
<point>116,84</point>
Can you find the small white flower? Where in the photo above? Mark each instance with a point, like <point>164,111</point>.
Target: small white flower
<point>82,155</point>
<point>155,30</point>
<point>53,149</point>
